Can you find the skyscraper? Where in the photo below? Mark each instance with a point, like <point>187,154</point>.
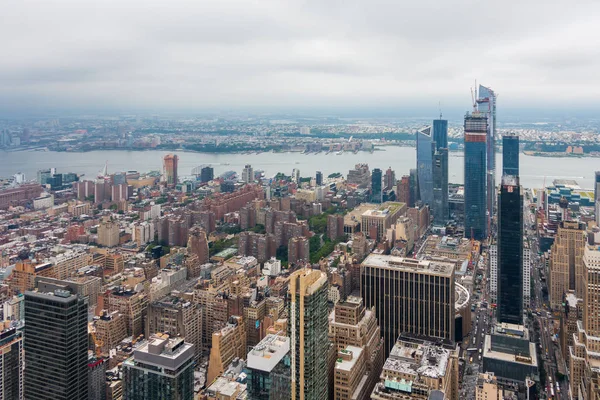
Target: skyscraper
<point>486,104</point>
<point>597,186</point>
<point>390,179</point>
<point>248,174</point>
<point>170,163</point>
<point>566,262</point>
<point>160,369</point>
<point>410,296</point>
<point>475,175</point>
<point>11,364</point>
<point>510,251</point>
<point>56,346</point>
<point>376,180</point>
<point>207,174</point>
<point>425,164</point>
<point>319,178</point>
<point>510,154</point>
<point>413,182</point>
<point>439,207</point>
<point>269,369</point>
<point>308,328</point>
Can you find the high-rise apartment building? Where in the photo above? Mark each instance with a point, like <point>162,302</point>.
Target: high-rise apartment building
<point>11,363</point>
<point>269,373</point>
<point>439,207</point>
<point>413,182</point>
<point>410,296</point>
<point>108,232</point>
<point>510,251</point>
<point>179,317</point>
<point>403,191</point>
<point>476,217</point>
<point>198,244</point>
<point>510,154</point>
<point>493,260</point>
<point>526,274</point>
<point>308,327</point>
<point>170,164</point>
<point>248,174</point>
<point>390,179</point>
<point>160,369</point>
<point>425,152</point>
<point>488,387</point>
<point>566,262</point>
<point>376,190</point>
<point>56,346</point>
<point>352,326</point>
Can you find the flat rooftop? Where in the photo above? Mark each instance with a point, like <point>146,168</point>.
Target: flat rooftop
<point>423,359</point>
<point>348,364</point>
<point>508,357</point>
<point>408,264</point>
<point>268,352</point>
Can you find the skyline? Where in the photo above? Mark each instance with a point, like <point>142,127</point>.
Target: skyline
<point>296,56</point>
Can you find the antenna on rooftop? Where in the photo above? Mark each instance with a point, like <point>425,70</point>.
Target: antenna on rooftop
<point>440,108</point>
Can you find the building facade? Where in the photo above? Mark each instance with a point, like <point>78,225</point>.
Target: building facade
<point>409,296</point>
<point>425,164</point>
<point>510,154</point>
<point>510,251</point>
<point>308,327</point>
<point>56,334</point>
<point>160,369</point>
<point>476,216</point>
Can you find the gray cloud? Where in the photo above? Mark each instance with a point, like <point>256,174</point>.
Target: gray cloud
<point>133,54</point>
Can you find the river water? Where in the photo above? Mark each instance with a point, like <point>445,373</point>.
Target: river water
<point>401,159</point>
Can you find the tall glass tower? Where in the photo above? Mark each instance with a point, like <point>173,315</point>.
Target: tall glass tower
<point>510,154</point>
<point>376,180</point>
<point>475,175</point>
<point>56,346</point>
<point>424,165</point>
<point>510,251</point>
<point>440,172</point>
<point>486,104</point>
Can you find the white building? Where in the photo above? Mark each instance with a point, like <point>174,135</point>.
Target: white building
<point>272,267</point>
<point>44,202</point>
<point>526,274</point>
<point>248,174</point>
<point>493,260</point>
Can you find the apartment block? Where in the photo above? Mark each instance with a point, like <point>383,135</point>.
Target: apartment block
<point>227,344</point>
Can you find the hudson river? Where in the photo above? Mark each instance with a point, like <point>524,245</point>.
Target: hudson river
<point>401,159</point>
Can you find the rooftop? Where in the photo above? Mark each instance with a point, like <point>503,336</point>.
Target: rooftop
<point>420,359</point>
<point>408,264</point>
<point>162,351</point>
<point>351,355</point>
<point>268,352</point>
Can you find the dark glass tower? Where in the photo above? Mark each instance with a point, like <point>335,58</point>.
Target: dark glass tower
<point>510,154</point>
<point>56,346</point>
<point>510,251</point>
<point>475,176</point>
<point>440,172</point>
<point>207,174</point>
<point>376,180</point>
<point>425,165</point>
<point>486,104</point>
<point>319,178</point>
<point>413,184</point>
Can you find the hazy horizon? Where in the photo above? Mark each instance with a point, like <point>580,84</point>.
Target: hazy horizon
<point>378,57</point>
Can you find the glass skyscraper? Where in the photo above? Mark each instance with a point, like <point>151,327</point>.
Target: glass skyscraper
<point>486,104</point>
<point>439,207</point>
<point>510,251</point>
<point>475,175</point>
<point>56,346</point>
<point>425,165</point>
<point>376,181</point>
<point>510,154</point>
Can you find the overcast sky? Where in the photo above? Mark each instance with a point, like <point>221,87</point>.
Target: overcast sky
<point>262,54</point>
